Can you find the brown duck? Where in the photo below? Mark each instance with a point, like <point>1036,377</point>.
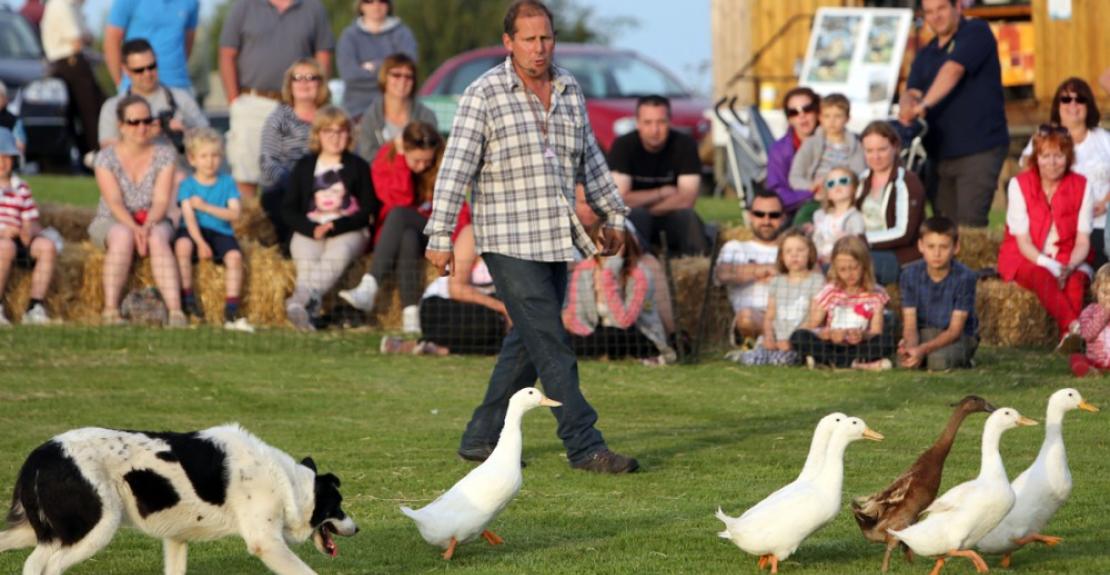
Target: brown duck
<point>898,506</point>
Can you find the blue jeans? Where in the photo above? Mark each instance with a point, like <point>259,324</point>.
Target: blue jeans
<point>887,268</point>
<point>538,345</point>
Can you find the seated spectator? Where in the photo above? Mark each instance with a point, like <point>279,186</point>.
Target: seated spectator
<point>11,122</point>
<point>940,329</point>
<point>174,108</point>
<point>135,178</point>
<point>403,180</point>
<point>892,201</point>
<point>285,136</point>
<point>791,292</point>
<point>658,174</point>
<point>460,312</point>
<point>1075,108</point>
<point>387,116</point>
<point>845,326</point>
<point>831,146</point>
<point>1048,227</point>
<point>330,206</point>
<point>362,49</point>
<point>20,239</point>
<point>1094,327</point>
<point>838,217</point>
<point>802,107</point>
<point>746,268</point>
<point>209,204</point>
<point>610,308</point>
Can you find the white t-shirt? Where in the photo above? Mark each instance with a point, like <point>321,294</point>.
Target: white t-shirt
<point>751,294</point>
<point>1017,217</point>
<point>1092,161</point>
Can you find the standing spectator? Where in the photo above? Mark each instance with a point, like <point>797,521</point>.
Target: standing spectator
<point>956,84</point>
<point>135,178</point>
<point>892,202</point>
<point>32,13</point>
<point>387,115</point>
<point>21,241</point>
<point>831,146</point>
<point>285,136</point>
<point>658,174</point>
<point>802,107</point>
<point>64,37</point>
<point>363,46</point>
<point>329,205</point>
<point>11,122</point>
<point>169,26</point>
<point>522,137</point>
<point>260,40</point>
<point>1074,107</point>
<point>1048,228</point>
<point>175,108</point>
<point>403,181</point>
<point>747,267</point>
<point>940,329</point>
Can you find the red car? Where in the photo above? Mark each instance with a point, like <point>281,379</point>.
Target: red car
<point>611,79</point>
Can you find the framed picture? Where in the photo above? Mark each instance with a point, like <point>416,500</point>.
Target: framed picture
<point>857,52</point>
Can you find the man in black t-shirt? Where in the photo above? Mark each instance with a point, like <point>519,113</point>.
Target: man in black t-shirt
<point>658,173</point>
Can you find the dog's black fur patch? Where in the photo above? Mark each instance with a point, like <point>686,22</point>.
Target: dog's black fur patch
<point>328,500</point>
<point>152,491</point>
<point>204,463</point>
<point>58,501</point>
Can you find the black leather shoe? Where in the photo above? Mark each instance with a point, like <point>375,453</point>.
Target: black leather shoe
<point>480,454</point>
<point>605,461</point>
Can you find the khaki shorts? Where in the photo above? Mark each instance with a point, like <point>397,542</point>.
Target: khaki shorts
<point>244,140</point>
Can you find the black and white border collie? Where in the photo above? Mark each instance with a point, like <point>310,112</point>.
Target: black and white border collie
<point>77,489</point>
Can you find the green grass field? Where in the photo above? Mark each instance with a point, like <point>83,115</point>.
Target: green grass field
<point>707,435</point>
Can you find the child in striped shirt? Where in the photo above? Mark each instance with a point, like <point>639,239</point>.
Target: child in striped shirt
<point>1094,326</point>
<point>20,235</point>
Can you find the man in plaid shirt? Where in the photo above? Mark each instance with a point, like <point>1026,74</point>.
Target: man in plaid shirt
<point>521,141</point>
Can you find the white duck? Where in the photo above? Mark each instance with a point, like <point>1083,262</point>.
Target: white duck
<point>1042,489</point>
<point>463,513</point>
<point>774,527</point>
<point>958,519</point>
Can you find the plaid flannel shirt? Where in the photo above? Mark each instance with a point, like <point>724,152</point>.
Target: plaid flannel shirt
<point>523,198</point>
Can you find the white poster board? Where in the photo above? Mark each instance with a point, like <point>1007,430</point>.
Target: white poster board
<point>857,52</point>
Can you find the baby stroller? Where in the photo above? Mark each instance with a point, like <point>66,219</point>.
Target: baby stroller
<point>749,138</point>
<point>912,156</point>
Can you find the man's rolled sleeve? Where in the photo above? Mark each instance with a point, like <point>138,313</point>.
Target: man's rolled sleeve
<point>461,161</point>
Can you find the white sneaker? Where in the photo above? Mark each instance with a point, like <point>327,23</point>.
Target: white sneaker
<point>362,297</point>
<point>36,316</point>
<point>3,320</point>
<point>410,319</point>
<point>240,324</point>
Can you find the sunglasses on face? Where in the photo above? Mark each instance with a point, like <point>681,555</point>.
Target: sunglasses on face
<point>144,69</point>
<point>1065,99</point>
<point>147,121</point>
<point>306,78</point>
<point>834,182</point>
<point>807,109</point>
<point>769,215</point>
<point>1046,129</point>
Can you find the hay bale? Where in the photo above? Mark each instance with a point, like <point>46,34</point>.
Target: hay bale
<point>269,280</point>
<point>979,247</point>
<point>690,277</point>
<point>739,233</point>
<point>1011,316</point>
<point>62,297</point>
<point>70,221</point>
<point>254,224</point>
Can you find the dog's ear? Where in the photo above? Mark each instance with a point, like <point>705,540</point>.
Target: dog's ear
<point>329,478</point>
<point>309,463</point>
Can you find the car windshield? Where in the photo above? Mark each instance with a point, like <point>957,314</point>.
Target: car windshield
<point>17,41</point>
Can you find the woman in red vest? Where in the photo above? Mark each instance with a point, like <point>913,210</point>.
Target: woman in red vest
<point>1048,228</point>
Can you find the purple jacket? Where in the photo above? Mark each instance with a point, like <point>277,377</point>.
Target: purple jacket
<point>779,159</point>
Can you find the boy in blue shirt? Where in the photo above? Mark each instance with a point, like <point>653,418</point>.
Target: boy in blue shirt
<point>209,203</point>
<point>940,330</point>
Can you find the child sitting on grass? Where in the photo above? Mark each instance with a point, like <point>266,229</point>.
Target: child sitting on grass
<point>791,292</point>
<point>839,216</point>
<point>209,203</point>
<point>845,326</point>
<point>20,235</point>
<point>1094,327</point>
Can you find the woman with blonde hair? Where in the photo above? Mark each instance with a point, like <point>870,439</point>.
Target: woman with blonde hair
<point>304,90</point>
<point>330,206</point>
<point>386,117</point>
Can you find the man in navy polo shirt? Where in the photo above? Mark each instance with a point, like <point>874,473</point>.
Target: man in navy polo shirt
<point>956,83</point>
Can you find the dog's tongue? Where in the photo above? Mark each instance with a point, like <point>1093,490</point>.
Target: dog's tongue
<point>329,544</point>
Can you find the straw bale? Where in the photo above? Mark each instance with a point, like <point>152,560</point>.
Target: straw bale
<point>269,280</point>
<point>979,247</point>
<point>690,276</point>
<point>1011,316</point>
<point>62,297</point>
<point>254,224</point>
<point>72,222</point>
<point>739,233</point>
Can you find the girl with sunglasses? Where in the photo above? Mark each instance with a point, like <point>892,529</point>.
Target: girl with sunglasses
<point>362,50</point>
<point>1075,110</point>
<point>838,217</point>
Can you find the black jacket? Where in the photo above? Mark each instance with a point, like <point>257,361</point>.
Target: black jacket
<point>298,199</point>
